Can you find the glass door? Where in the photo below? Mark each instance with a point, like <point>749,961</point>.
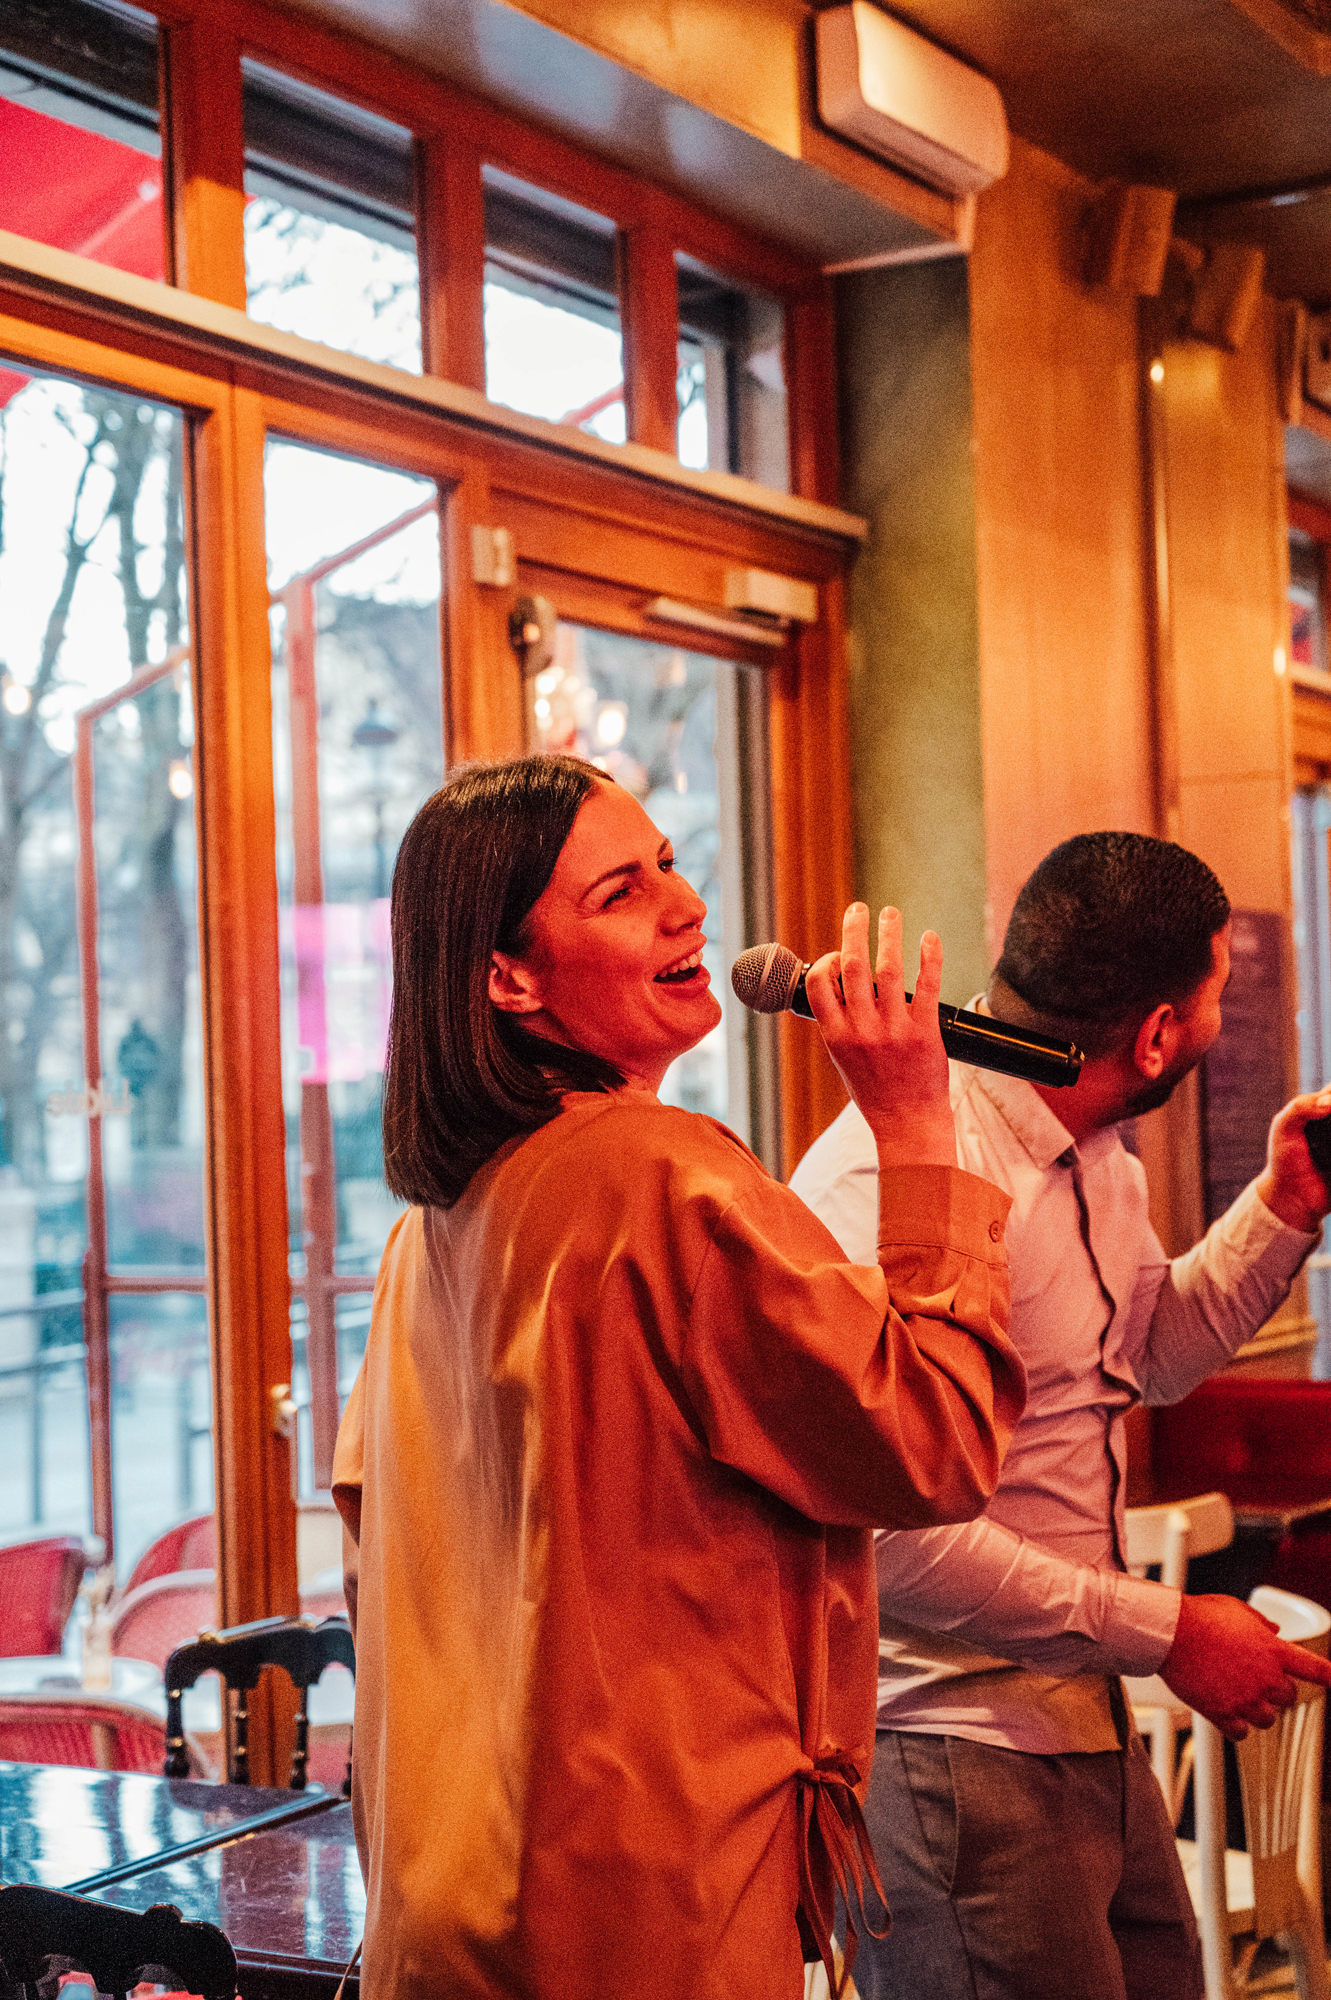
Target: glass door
<point>686,733</point>
<point>105,1401</point>
<point>358,745</point>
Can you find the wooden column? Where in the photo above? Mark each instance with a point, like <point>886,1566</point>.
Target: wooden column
<point>205,151</point>
<point>249,1289</point>
<point>649,301</point>
<point>450,236</point>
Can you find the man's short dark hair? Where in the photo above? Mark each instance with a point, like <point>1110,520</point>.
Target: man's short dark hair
<point>1108,927</point>
<point>461,1076</point>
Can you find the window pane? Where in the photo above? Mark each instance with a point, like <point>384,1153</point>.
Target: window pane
<point>148,962</point>
<point>330,222</point>
<point>552,326</point>
<point>649,715</point>
<point>732,385</point>
<point>161,1417</point>
<point>79,131</point>
<point>96,718</point>
<point>358,746</point>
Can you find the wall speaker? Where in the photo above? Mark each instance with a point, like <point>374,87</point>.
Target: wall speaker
<point>1127,240</point>
<point>1225,295</point>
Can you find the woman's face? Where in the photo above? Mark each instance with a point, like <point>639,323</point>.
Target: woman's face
<point>613,962</point>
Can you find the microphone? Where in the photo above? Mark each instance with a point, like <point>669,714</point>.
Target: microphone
<point>769,979</point>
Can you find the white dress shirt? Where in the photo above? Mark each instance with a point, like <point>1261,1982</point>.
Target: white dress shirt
<point>1102,1319</point>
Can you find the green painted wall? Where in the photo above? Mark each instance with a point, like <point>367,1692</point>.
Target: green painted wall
<point>904,359</point>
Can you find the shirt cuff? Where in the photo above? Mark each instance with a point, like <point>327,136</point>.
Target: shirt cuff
<point>943,1208</point>
<point>1268,1232</point>
<point>1140,1625</point>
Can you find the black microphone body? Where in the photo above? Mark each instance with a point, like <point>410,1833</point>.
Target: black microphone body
<point>762,979</point>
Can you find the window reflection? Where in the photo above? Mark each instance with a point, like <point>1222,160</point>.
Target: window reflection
<point>731,379</point>
<point>79,131</point>
<point>330,242</point>
<point>553,345</point>
<point>358,746</point>
<point>101,1094</point>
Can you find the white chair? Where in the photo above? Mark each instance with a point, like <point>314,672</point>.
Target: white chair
<point>1275,1888</point>
<point>1169,1535</point>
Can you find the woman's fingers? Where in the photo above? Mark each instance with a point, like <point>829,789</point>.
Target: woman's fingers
<point>891,980</point>
<point>924,1006</point>
<point>856,977</point>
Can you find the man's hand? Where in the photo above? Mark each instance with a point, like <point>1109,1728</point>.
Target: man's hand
<point>1291,1186</point>
<point>1231,1665</point>
<point>890,1055</point>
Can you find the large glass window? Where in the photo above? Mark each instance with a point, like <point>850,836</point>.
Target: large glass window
<point>330,229</point>
<point>673,727</point>
<point>732,383</point>
<point>101,1093</point>
<point>552,322</point>
<point>353,553</point>
<point>80,145</point>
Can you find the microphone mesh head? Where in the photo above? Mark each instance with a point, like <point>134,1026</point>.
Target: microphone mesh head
<point>765,976</point>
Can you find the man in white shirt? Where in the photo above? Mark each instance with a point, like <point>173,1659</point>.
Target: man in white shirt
<point>1021,1836</point>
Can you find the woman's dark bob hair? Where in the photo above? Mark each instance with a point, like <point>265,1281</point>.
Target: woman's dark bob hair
<point>462,1076</point>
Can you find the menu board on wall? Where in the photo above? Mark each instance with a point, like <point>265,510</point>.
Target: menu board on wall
<point>1243,1074</point>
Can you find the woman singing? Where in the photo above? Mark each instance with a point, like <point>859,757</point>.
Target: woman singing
<point>624,1424</point>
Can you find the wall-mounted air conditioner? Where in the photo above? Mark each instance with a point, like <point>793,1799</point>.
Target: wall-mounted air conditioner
<point>885,87</point>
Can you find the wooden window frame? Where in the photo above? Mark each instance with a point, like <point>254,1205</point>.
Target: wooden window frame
<point>190,344</point>
<point>236,381</point>
<point>457,134</point>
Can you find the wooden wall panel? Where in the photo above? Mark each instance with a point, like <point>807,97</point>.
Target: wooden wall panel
<point>1058,491</point>
<point>1227,530</point>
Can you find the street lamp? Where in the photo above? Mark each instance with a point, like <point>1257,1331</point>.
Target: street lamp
<point>376,733</point>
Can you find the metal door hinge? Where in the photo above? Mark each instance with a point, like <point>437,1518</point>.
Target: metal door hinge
<point>492,557</point>
<point>282,1411</point>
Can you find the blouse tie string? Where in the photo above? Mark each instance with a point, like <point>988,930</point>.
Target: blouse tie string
<point>830,1813</point>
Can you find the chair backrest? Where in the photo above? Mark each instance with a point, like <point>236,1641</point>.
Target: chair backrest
<point>151,1621</point>
<point>1280,1775</point>
<point>98,1733</point>
<point>1280,1770</point>
<point>1173,1532</point>
<point>302,1650</point>
<point>38,1584</point>
<point>117,1947</point>
<point>190,1544</point>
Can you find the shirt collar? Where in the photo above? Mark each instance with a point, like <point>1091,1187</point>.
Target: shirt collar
<point>1021,1108</point>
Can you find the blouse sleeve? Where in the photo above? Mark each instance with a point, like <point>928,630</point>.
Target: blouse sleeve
<point>863,1397</point>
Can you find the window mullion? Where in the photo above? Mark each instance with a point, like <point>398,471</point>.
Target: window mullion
<point>205,147</point>
<point>649,305</point>
<point>451,240</point>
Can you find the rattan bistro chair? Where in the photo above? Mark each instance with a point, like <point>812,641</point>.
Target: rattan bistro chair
<point>46,1932</point>
<point>301,1649</point>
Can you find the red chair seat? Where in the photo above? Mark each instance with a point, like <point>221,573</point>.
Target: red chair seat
<point>98,1734</point>
<point>38,1584</point>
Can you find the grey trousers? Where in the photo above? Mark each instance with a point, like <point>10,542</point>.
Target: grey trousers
<point>1015,1877</point>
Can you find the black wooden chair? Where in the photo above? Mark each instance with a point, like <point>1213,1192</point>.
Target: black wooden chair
<point>45,1933</point>
<point>300,1648</point>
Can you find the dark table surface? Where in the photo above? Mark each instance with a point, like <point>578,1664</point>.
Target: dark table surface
<point>287,1893</point>
<point>289,1897</point>
<point>62,1827</point>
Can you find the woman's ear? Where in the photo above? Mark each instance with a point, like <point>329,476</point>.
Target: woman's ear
<point>512,985</point>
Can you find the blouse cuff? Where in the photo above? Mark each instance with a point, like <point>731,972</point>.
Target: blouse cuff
<point>941,1208</point>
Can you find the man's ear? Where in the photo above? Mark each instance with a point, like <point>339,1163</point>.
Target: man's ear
<point>1151,1048</point>
<point>512,987</point>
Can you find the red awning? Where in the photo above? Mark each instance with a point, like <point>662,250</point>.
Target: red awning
<point>78,191</point>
